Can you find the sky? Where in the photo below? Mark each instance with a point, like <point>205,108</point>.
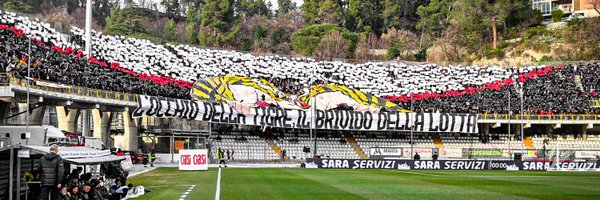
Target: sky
<point>274,2</point>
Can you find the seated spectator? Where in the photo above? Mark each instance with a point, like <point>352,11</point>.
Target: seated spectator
<point>87,193</point>
<point>64,194</point>
<point>75,193</point>
<point>100,192</point>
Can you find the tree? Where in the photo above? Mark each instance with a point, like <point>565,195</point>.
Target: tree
<point>434,18</point>
<point>582,39</point>
<point>306,40</point>
<point>362,49</point>
<point>171,8</point>
<point>217,15</point>
<point>557,15</point>
<point>170,33</point>
<point>330,12</point>
<point>371,15</point>
<point>263,8</point>
<point>285,6</point>
<point>391,14</point>
<point>333,45</point>
<point>191,28</point>
<point>449,47</point>
<point>246,9</point>
<point>399,43</point>
<point>101,10</point>
<point>311,10</point>
<point>128,21</point>
<point>18,6</point>
<point>115,23</point>
<point>353,20</point>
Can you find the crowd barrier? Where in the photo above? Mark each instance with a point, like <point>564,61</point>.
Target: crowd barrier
<point>4,79</point>
<point>530,117</point>
<point>70,89</point>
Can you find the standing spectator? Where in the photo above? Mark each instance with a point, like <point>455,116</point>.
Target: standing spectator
<point>152,156</point>
<point>221,156</point>
<point>51,170</point>
<point>417,156</point>
<point>232,153</point>
<point>283,154</point>
<point>228,154</point>
<point>146,158</point>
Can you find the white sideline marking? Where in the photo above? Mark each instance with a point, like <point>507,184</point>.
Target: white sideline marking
<point>417,173</point>
<point>157,186</point>
<point>185,194</point>
<point>218,192</point>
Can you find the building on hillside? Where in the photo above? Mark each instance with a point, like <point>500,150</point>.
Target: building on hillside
<point>586,7</point>
<point>569,7</point>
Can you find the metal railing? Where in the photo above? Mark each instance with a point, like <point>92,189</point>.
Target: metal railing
<point>530,117</point>
<point>75,90</point>
<point>595,103</point>
<point>4,79</point>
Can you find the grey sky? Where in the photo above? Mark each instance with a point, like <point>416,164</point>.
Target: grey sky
<point>275,6</point>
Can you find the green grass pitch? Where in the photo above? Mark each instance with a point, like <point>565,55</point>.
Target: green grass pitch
<point>297,183</point>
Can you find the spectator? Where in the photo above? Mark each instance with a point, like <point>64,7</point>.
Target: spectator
<point>417,156</point>
<point>122,191</point>
<point>100,192</point>
<point>115,185</point>
<point>51,173</point>
<point>75,193</point>
<point>87,193</point>
<point>64,194</point>
<point>221,156</point>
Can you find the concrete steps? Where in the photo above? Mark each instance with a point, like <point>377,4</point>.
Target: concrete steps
<point>352,142</point>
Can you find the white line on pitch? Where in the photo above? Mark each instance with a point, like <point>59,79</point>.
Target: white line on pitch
<point>218,192</point>
<point>187,192</point>
<point>417,173</point>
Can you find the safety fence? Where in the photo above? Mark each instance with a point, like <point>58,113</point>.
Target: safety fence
<point>531,117</point>
<point>70,89</point>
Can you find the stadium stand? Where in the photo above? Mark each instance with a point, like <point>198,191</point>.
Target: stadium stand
<point>247,148</point>
<point>568,142</point>
<point>142,67</point>
<point>429,86</point>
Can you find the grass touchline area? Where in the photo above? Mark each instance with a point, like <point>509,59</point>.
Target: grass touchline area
<point>300,183</point>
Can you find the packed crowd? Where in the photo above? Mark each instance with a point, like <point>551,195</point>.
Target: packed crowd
<point>553,90</point>
<point>68,67</point>
<point>142,67</point>
<point>77,185</point>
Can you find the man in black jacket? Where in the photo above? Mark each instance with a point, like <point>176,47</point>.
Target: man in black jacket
<point>51,170</point>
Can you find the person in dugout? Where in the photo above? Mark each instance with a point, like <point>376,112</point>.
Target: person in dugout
<point>152,156</point>
<point>146,159</point>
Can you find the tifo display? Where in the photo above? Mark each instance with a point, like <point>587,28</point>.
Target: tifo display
<point>274,116</point>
